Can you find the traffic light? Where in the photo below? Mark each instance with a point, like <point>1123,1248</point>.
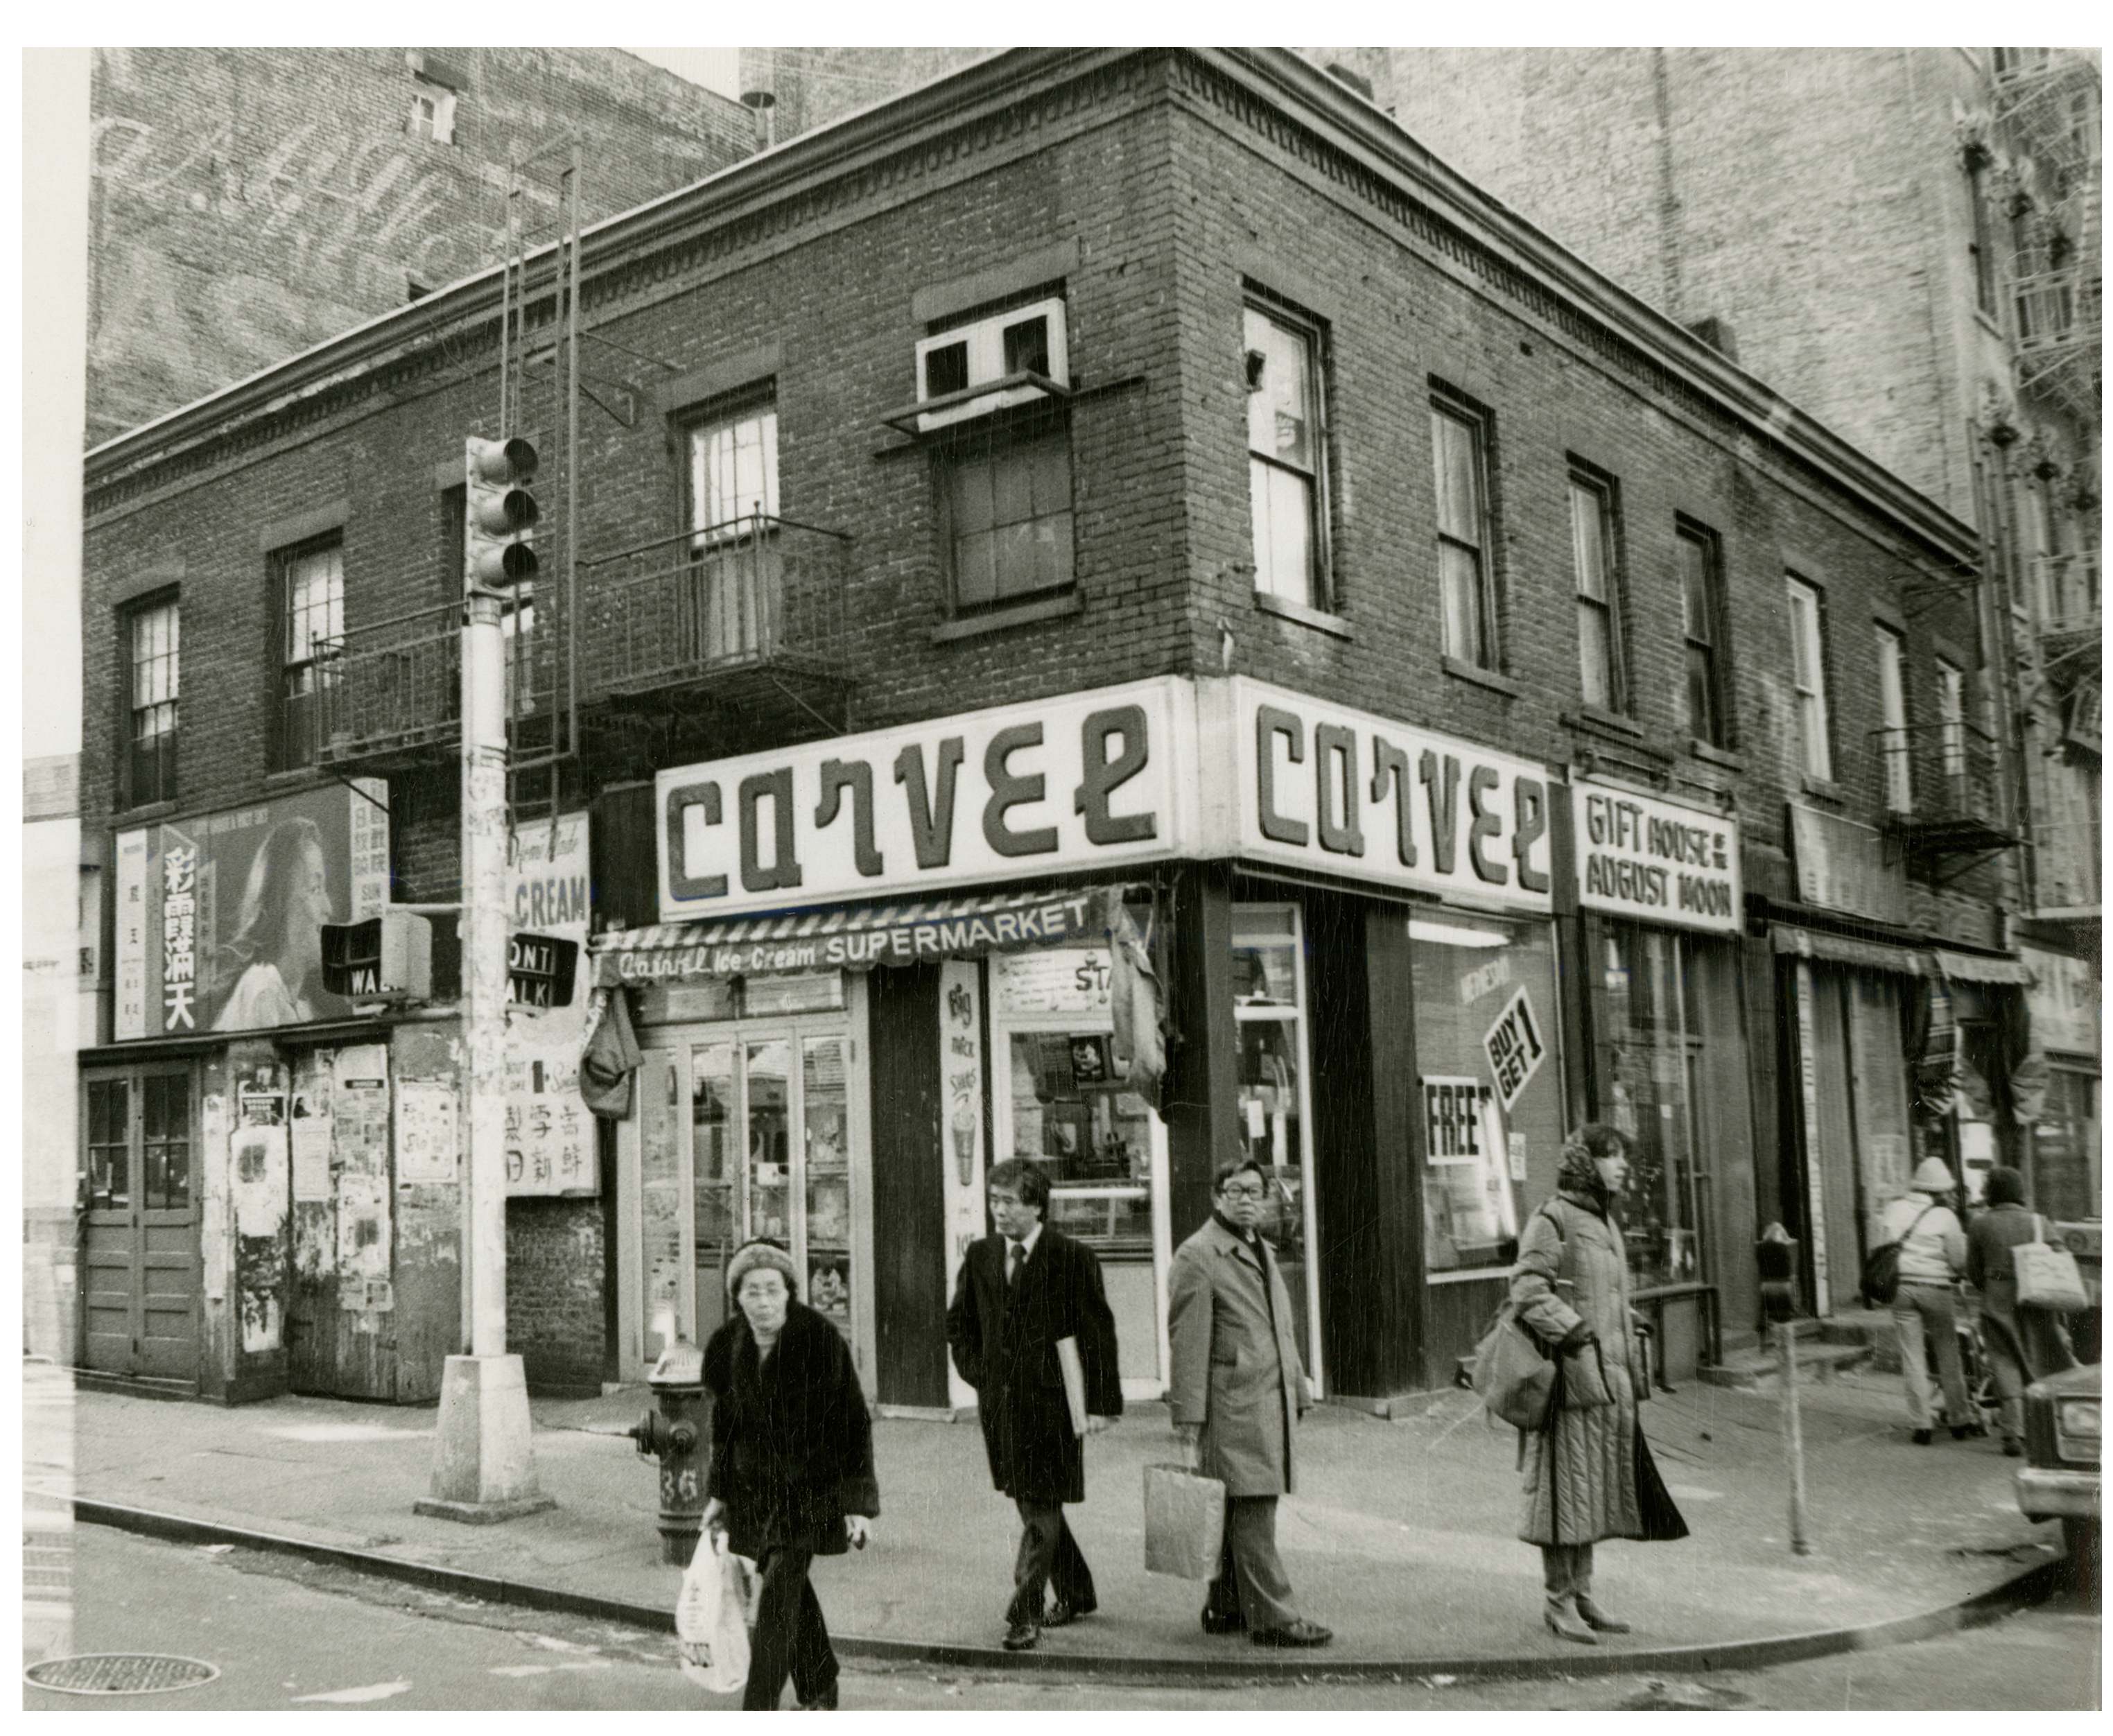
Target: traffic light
<point>387,958</point>
<point>501,512</point>
<point>540,970</point>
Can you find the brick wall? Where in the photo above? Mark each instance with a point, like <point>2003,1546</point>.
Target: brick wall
<point>249,203</point>
<point>554,1318</point>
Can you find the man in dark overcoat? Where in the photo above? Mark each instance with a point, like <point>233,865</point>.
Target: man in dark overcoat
<point>1020,1291</point>
<point>1236,1388</point>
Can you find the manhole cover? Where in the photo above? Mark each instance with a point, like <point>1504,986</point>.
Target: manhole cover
<point>120,1673</point>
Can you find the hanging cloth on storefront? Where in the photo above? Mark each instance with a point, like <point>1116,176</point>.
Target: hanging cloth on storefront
<point>1134,1002</point>
<point>609,1059</point>
<point>1931,1039</point>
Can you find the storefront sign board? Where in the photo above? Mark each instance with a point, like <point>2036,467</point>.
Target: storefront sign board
<point>1656,860</point>
<point>2064,1000</point>
<point>1070,979</point>
<point>1320,787</point>
<point>550,1134</point>
<point>962,1075</point>
<point>1078,782</point>
<point>1841,866</point>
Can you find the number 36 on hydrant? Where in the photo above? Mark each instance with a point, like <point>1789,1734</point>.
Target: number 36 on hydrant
<point>675,1435</point>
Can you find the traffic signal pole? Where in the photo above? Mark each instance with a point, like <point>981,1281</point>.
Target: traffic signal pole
<point>484,1466</point>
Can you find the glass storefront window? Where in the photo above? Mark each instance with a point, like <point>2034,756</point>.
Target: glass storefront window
<point>1650,1058</point>
<point>1094,1142</point>
<point>826,1114</point>
<point>1491,1081</point>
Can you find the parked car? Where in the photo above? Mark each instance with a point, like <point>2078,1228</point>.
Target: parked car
<point>2059,1476</point>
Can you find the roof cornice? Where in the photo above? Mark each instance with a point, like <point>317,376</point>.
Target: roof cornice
<point>1332,112</point>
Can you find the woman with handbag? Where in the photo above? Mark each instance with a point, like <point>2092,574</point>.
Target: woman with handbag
<point>1926,1304</point>
<point>791,1475</point>
<point>1587,1472</point>
<point>2023,1344</point>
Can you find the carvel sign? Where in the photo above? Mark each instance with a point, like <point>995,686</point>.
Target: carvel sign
<point>1078,781</point>
<point>1344,792</point>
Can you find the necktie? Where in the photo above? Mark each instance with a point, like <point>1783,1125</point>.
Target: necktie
<point>1016,1256</point>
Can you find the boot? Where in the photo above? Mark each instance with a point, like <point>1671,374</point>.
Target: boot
<point>1597,1619</point>
<point>1564,1622</point>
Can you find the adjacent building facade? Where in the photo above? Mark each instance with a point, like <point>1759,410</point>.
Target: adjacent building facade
<point>1110,610</point>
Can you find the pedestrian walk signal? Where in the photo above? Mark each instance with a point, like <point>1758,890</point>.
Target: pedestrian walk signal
<point>498,535</point>
<point>388,958</point>
<point>540,970</point>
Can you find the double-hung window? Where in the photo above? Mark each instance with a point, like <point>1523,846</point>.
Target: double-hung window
<point>1893,714</point>
<point>1459,453</point>
<point>738,587</point>
<point>1808,644</point>
<point>311,623</point>
<point>151,634</point>
<point>1005,503</point>
<point>1706,713</point>
<point>432,111</point>
<point>1287,488</point>
<point>1593,557</point>
<point>1951,728</point>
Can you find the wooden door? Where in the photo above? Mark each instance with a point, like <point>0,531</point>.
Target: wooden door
<point>139,1227</point>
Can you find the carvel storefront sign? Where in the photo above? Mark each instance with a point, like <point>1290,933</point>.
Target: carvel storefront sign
<point>1146,772</point>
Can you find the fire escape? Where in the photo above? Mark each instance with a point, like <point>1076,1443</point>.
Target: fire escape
<point>2047,107</point>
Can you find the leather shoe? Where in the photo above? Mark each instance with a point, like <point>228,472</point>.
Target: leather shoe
<point>2012,1449</point>
<point>1022,1635</point>
<point>824,1702</point>
<point>1062,1614</point>
<point>1920,1438</point>
<point>1597,1619</point>
<point>1564,1622</point>
<point>1299,1633</point>
<point>1967,1432</point>
<point>1216,1621</point>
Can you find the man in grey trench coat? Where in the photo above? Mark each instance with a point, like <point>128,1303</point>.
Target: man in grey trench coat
<point>1237,1389</point>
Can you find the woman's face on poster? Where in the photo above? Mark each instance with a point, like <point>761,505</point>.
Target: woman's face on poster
<point>308,909</point>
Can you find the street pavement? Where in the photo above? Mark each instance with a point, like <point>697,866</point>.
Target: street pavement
<point>1400,1538</point>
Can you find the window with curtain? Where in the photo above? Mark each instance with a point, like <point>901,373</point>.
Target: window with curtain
<point>1285,456</point>
<point>1005,498</point>
<point>312,600</point>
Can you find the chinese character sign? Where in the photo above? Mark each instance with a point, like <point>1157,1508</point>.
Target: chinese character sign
<point>220,916</point>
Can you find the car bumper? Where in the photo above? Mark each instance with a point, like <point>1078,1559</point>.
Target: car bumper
<point>2045,1493</point>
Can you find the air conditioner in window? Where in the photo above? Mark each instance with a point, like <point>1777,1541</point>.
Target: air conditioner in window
<point>1028,340</point>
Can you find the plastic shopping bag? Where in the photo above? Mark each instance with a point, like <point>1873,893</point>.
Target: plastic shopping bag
<point>711,1624</point>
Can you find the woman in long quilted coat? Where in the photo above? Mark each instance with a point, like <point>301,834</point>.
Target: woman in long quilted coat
<point>1584,1475</point>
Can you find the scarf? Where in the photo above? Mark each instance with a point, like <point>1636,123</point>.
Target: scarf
<point>1577,1179</point>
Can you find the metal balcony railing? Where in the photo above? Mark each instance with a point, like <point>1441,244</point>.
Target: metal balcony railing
<point>759,593</point>
<point>1958,802</point>
<point>390,688</point>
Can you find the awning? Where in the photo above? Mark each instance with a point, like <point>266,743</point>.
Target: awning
<point>1968,967</point>
<point>1841,949</point>
<point>852,937</point>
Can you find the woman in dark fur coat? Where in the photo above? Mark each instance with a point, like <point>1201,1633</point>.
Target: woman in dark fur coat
<point>791,1475</point>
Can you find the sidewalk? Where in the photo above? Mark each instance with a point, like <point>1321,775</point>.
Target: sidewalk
<point>1400,1538</point>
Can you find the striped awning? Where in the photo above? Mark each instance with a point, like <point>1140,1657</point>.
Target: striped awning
<point>1969,967</point>
<point>851,937</point>
<point>1845,949</point>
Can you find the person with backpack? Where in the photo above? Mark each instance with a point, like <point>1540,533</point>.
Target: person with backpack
<point>1587,1473</point>
<point>1925,1304</point>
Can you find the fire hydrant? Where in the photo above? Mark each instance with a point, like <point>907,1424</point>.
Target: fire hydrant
<point>675,1435</point>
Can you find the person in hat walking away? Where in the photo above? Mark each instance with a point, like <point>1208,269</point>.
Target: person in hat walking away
<point>1235,1388</point>
<point>1926,1305</point>
<point>2023,1344</point>
<point>791,1475</point>
<point>1587,1476</point>
<point>1020,1293</point>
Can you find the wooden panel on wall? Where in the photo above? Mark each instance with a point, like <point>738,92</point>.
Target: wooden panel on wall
<point>910,1261</point>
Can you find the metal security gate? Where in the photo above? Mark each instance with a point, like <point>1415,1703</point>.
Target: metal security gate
<point>140,1226</point>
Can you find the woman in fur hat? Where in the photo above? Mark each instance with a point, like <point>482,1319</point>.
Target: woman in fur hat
<point>791,1475</point>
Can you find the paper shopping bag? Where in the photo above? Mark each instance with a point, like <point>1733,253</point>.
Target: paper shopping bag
<point>1185,1521</point>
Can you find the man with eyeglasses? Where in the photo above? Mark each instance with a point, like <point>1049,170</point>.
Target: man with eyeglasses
<point>1237,1389</point>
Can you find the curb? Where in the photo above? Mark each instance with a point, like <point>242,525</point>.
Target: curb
<point>2035,1585</point>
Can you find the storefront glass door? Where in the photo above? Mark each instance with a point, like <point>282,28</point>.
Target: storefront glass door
<point>763,1150</point>
<point>1269,1003</point>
